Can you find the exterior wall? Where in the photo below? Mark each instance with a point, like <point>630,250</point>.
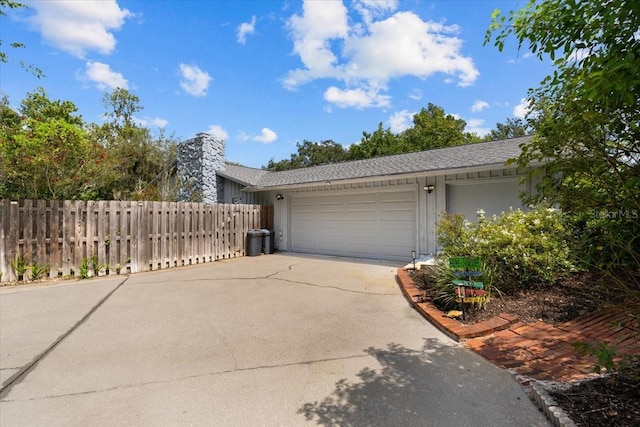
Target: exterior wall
<point>429,205</point>
<point>231,192</point>
<point>198,160</point>
<point>470,178</point>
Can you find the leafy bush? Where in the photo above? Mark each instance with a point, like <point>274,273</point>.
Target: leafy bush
<point>517,248</point>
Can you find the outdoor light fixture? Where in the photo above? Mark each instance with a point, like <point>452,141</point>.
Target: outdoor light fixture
<point>430,188</point>
<point>279,196</point>
<point>413,255</point>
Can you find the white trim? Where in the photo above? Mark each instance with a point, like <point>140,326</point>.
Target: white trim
<point>492,180</point>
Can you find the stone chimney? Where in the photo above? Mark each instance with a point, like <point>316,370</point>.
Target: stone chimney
<point>198,161</point>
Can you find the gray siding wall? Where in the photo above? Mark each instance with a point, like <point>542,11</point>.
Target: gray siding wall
<point>233,193</point>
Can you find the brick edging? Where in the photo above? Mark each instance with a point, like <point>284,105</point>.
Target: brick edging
<point>451,327</point>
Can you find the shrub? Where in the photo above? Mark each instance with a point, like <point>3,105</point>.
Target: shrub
<point>517,248</point>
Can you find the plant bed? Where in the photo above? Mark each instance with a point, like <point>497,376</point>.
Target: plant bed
<point>613,400</point>
<point>571,296</point>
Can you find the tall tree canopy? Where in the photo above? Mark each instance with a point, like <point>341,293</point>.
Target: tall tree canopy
<point>45,152</point>
<point>311,154</point>
<point>512,128</point>
<point>135,157</point>
<point>586,115</point>
<point>432,128</point>
<point>381,142</point>
<point>48,152</point>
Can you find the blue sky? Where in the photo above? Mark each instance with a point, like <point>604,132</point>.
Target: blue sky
<point>264,75</point>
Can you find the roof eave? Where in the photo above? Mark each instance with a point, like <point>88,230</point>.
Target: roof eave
<point>428,173</point>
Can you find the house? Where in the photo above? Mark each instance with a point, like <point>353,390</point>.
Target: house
<point>381,208</point>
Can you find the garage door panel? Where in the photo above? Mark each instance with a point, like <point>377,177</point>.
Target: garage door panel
<point>397,196</point>
<point>355,217</point>
<point>361,198</point>
<point>371,225</point>
<point>305,201</point>
<point>330,200</point>
<point>330,216</point>
<point>398,216</point>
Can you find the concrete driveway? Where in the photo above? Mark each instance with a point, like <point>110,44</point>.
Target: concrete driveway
<point>282,340</point>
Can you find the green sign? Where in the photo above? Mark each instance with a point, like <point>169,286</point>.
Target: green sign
<point>465,263</point>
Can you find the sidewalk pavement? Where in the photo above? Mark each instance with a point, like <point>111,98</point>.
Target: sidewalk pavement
<point>537,351</point>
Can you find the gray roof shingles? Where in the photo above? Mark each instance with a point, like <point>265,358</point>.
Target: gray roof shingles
<point>243,174</point>
<point>448,158</point>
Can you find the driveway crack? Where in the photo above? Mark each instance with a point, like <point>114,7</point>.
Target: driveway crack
<point>315,285</point>
<point>24,370</point>
<point>188,377</point>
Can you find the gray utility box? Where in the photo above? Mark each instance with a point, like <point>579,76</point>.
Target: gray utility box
<point>268,238</point>
<point>254,243</point>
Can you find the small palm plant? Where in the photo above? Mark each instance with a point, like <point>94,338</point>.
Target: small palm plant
<point>19,265</point>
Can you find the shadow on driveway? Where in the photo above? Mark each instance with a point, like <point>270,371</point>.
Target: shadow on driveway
<point>406,391</point>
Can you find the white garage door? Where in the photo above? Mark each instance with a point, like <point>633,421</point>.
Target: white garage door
<point>379,225</point>
<point>492,197</point>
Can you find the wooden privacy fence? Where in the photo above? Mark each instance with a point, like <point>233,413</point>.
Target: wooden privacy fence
<point>122,236</point>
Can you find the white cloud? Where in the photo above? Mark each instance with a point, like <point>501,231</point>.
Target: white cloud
<point>266,136</point>
<point>104,77</point>
<point>416,94</point>
<point>365,56</point>
<point>400,121</point>
<point>151,122</point>
<point>194,81</point>
<point>245,29</point>
<point>521,110</point>
<point>476,126</point>
<point>369,9</point>
<point>312,32</point>
<point>218,132</point>
<point>479,106</point>
<point>78,27</point>
<point>357,98</point>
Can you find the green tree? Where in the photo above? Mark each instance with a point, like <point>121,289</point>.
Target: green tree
<point>9,118</point>
<point>311,154</point>
<point>38,106</point>
<point>121,105</point>
<point>134,157</point>
<point>47,152</point>
<point>381,142</point>
<point>44,150</point>
<point>586,118</point>
<point>4,57</point>
<point>513,128</point>
<point>433,128</point>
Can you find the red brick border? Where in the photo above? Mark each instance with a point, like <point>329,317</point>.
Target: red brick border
<point>451,327</point>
